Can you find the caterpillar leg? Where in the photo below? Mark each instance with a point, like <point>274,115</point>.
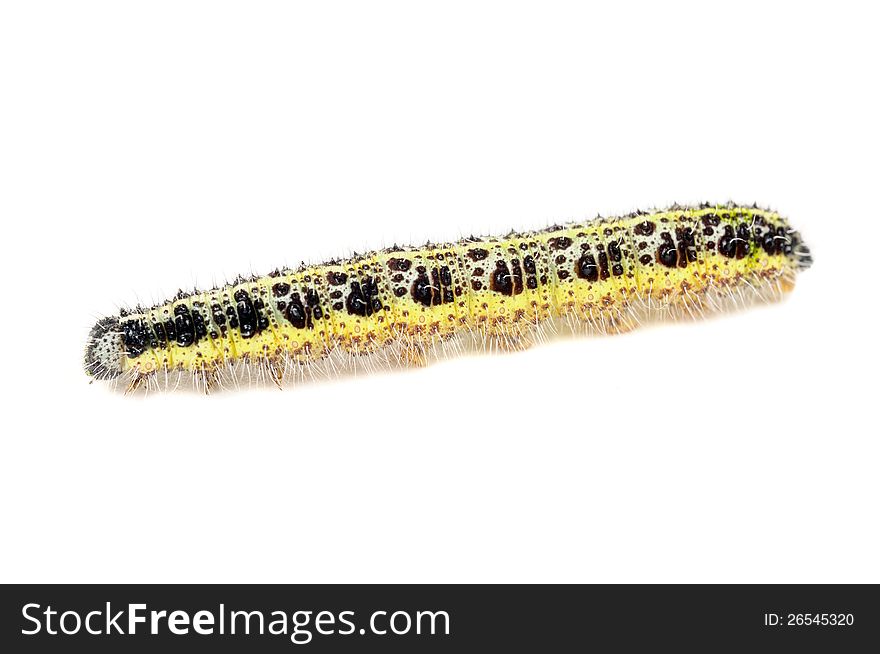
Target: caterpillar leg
<point>507,338</point>
<point>413,355</point>
<point>136,382</point>
<point>786,284</point>
<point>275,372</point>
<point>211,382</point>
<point>514,342</point>
<point>621,321</point>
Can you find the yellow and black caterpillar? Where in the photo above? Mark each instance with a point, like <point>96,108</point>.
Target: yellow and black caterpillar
<point>402,304</point>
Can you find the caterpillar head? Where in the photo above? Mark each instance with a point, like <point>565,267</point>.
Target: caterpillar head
<point>104,350</point>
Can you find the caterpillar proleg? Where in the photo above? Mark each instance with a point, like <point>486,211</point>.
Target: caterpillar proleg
<point>405,305</point>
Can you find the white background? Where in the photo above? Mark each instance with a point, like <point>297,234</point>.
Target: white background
<point>147,146</point>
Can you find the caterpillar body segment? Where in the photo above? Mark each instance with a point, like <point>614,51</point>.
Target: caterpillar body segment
<point>401,305</point>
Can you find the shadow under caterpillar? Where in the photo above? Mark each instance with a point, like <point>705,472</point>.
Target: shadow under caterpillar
<point>405,305</point>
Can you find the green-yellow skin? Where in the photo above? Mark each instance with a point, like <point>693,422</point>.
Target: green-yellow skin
<point>602,273</point>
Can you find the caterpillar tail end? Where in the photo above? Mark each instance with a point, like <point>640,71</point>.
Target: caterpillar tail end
<point>103,358</point>
<point>804,257</point>
<point>801,254</point>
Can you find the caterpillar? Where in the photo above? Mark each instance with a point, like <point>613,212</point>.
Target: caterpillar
<point>405,305</point>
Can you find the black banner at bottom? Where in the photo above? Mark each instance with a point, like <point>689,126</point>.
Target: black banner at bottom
<point>433,618</point>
